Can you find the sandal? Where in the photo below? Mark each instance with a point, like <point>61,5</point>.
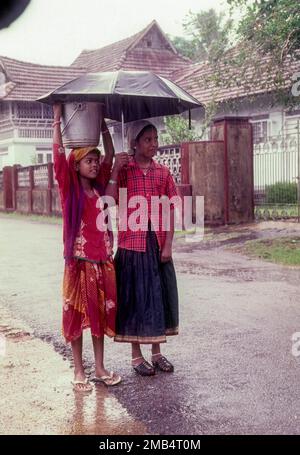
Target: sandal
<point>112,379</point>
<point>163,364</point>
<point>82,386</point>
<point>144,368</point>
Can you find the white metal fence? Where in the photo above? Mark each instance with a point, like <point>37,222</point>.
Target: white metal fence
<point>277,171</point>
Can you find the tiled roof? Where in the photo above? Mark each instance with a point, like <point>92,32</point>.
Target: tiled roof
<point>128,55</point>
<point>107,58</point>
<point>161,62</point>
<point>199,78</point>
<point>29,81</point>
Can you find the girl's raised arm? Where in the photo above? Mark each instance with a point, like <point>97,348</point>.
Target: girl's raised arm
<point>57,138</point>
<point>59,157</point>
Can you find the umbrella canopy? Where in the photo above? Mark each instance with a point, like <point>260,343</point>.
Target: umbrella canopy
<point>126,95</point>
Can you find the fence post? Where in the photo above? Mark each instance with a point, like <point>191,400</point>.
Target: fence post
<point>15,185</point>
<point>236,132</point>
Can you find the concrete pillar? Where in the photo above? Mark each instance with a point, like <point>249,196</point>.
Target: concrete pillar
<point>236,132</point>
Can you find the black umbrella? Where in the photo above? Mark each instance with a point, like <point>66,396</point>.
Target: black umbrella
<point>135,94</point>
<point>126,95</point>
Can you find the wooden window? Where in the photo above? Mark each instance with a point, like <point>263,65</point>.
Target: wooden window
<point>40,158</point>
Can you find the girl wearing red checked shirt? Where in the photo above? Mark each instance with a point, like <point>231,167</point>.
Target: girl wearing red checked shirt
<point>146,282</point>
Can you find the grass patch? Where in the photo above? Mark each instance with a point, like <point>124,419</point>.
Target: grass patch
<point>30,217</point>
<point>284,250</point>
<point>277,211</point>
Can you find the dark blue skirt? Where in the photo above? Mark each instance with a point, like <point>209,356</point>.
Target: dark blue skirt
<point>147,295</point>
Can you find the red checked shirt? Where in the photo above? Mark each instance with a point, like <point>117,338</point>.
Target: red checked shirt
<point>157,181</point>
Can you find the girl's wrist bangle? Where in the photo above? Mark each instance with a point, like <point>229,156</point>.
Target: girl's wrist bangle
<point>113,182</point>
<point>57,122</point>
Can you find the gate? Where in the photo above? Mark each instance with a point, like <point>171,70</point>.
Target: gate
<point>277,171</point>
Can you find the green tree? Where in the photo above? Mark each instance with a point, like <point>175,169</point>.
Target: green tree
<point>177,131</point>
<point>207,35</point>
<point>267,36</point>
<point>185,47</point>
<point>271,26</point>
<point>210,33</point>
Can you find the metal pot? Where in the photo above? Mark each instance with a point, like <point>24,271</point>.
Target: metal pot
<point>81,124</point>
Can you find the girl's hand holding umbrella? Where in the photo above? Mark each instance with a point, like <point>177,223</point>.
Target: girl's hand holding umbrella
<point>121,160</point>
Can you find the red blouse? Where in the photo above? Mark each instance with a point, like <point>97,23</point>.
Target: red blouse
<point>91,243</point>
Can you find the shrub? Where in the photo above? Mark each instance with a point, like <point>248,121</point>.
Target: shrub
<point>281,193</point>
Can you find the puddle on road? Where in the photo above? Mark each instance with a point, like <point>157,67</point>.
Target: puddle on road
<point>37,396</point>
<point>102,414</point>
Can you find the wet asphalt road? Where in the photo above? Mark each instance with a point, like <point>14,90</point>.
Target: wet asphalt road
<point>234,368</point>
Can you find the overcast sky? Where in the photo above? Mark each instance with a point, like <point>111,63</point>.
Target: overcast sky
<point>54,32</point>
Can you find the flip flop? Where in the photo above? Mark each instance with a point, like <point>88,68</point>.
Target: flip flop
<point>108,380</point>
<point>88,387</point>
